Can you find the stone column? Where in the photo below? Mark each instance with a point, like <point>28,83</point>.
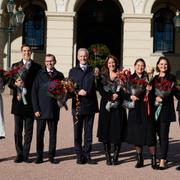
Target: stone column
<point>2,39</point>
<point>60,32</point>
<point>137,39</point>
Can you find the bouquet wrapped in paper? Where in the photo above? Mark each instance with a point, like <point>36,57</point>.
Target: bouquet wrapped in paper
<point>163,88</point>
<point>132,86</point>
<point>61,90</point>
<point>5,76</point>
<point>111,87</point>
<point>20,75</point>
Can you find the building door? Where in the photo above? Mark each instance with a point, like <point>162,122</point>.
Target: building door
<point>99,21</point>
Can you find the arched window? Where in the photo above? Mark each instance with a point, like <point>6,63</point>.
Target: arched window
<point>34,27</point>
<point>164,31</point>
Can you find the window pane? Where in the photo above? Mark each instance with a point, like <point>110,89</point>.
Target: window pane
<point>164,31</point>
<point>34,27</point>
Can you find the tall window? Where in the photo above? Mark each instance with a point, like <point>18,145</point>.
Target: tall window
<point>34,27</point>
<point>164,31</point>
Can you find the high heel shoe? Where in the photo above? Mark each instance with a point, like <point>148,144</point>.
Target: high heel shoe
<point>162,165</point>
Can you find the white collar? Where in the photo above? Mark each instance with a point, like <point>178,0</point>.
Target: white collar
<point>48,70</point>
<point>83,65</point>
<point>26,61</point>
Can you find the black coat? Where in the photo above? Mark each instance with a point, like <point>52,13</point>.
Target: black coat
<point>84,80</point>
<point>18,108</point>
<point>42,102</point>
<point>167,113</point>
<point>112,125</point>
<point>141,126</point>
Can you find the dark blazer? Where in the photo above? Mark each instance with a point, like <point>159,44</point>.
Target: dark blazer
<point>42,102</point>
<point>18,108</point>
<point>178,92</point>
<point>84,80</point>
<point>167,113</point>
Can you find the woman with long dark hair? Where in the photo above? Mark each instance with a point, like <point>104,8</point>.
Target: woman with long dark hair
<point>112,117</point>
<point>165,112</point>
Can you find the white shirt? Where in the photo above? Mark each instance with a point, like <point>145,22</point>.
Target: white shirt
<point>83,66</point>
<point>27,63</point>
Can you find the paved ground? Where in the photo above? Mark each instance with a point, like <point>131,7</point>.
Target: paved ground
<point>68,169</point>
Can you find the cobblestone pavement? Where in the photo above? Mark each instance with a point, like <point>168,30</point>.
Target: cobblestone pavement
<point>67,169</point>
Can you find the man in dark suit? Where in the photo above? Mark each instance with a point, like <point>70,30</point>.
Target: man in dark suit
<point>23,113</point>
<point>178,105</point>
<point>83,115</point>
<point>46,108</point>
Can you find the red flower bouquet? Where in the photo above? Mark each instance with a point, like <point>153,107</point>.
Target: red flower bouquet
<point>131,86</point>
<point>163,88</point>
<point>5,76</point>
<point>61,90</point>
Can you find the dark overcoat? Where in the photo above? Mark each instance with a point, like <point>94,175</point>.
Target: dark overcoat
<point>18,108</point>
<point>85,80</point>
<point>112,125</point>
<point>141,126</point>
<point>42,101</point>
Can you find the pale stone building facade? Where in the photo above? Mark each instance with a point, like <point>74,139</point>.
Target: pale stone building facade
<point>64,34</point>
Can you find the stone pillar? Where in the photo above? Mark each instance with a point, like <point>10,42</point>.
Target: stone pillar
<point>137,39</point>
<point>2,40</point>
<point>60,33</point>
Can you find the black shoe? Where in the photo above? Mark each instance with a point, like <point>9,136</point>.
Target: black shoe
<point>162,167</point>
<point>153,162</point>
<point>39,160</point>
<point>53,161</point>
<point>116,154</point>
<point>90,161</point>
<point>178,168</point>
<point>81,159</point>
<point>140,161</point>
<point>19,159</point>
<point>27,160</point>
<point>107,153</point>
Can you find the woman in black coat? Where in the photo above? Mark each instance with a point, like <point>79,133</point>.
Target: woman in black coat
<point>141,124</point>
<point>112,117</point>
<point>167,113</point>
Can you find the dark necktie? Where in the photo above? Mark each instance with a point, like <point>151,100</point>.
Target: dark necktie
<point>50,74</point>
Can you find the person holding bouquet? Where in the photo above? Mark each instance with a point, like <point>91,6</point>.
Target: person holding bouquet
<point>23,113</point>
<point>112,126</point>
<point>141,124</point>
<point>164,85</point>
<point>84,107</point>
<point>46,109</point>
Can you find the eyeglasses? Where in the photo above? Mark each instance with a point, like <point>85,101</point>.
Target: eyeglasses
<point>50,61</point>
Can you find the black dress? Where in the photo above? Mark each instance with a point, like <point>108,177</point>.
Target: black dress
<point>112,126</point>
<point>141,126</point>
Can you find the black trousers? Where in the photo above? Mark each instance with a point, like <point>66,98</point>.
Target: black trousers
<point>85,121</point>
<point>23,144</point>
<point>163,134</point>
<point>52,127</point>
